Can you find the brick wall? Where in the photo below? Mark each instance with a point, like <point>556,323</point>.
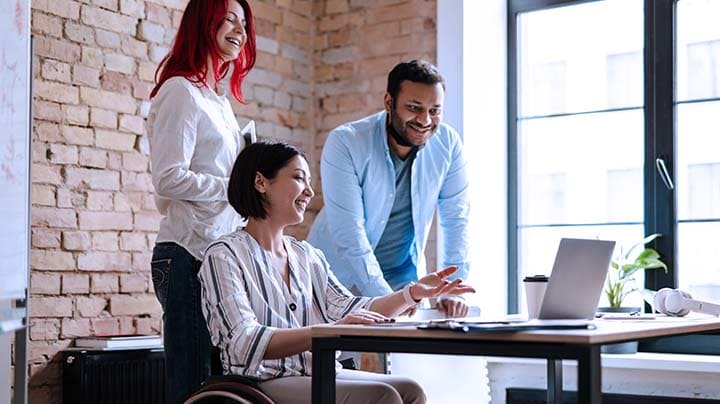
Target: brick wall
<point>320,63</point>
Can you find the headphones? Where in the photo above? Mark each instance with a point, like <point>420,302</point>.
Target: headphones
<point>678,303</point>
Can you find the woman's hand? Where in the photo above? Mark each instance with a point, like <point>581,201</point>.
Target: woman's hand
<point>363,316</point>
<point>436,284</point>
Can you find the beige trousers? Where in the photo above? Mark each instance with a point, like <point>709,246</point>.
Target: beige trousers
<point>352,387</point>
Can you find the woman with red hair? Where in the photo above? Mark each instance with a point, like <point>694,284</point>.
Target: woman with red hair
<point>194,140</point>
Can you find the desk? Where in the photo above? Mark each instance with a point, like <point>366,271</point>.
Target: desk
<point>580,345</point>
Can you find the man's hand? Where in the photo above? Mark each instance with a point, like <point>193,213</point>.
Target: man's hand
<point>452,306</point>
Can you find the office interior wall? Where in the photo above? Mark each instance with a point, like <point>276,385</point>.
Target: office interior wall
<point>320,63</point>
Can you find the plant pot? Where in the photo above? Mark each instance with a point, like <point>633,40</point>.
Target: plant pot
<point>629,347</point>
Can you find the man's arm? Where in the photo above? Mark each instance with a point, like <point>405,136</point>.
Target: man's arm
<point>342,194</point>
<point>453,212</point>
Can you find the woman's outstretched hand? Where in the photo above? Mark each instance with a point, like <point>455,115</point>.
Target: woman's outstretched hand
<point>363,316</point>
<point>436,284</point>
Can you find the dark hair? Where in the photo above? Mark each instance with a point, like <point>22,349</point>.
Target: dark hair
<point>417,71</point>
<point>266,158</point>
<point>195,42</point>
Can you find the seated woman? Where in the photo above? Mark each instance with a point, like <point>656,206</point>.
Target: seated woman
<point>262,291</point>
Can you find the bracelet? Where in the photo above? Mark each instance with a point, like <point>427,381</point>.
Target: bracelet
<point>408,297</point>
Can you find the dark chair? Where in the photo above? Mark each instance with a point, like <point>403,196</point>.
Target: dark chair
<point>226,389</point>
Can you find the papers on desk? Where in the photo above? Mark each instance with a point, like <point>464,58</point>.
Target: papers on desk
<point>507,326</point>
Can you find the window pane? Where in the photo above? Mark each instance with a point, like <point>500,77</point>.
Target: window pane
<point>699,260</point>
<point>594,68</point>
<point>698,156</point>
<point>581,169</point>
<point>538,246</point>
<point>698,49</point>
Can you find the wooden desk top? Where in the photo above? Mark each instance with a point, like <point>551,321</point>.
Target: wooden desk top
<point>607,331</point>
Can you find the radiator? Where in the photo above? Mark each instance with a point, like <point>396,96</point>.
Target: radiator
<point>114,376</point>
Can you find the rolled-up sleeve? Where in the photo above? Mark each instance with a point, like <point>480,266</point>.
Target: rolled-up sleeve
<point>454,211</point>
<point>172,129</point>
<point>231,321</point>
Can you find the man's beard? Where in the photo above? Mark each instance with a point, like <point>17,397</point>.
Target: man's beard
<point>400,137</point>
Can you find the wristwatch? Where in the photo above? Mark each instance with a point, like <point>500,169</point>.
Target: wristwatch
<point>408,297</point>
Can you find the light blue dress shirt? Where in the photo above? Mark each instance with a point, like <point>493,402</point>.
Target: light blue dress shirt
<point>358,181</point>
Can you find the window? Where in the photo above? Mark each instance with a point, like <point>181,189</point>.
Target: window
<point>591,117</point>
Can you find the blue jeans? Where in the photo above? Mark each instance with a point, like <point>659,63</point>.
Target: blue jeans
<point>187,340</point>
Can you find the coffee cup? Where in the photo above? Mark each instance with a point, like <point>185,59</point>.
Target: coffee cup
<point>534,293</point>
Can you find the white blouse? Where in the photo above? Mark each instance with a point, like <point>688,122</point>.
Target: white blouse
<point>245,300</point>
<point>194,140</point>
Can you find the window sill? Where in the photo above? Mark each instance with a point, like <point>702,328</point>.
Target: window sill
<point>640,360</point>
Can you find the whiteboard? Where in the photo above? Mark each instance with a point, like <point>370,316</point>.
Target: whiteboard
<point>15,101</point>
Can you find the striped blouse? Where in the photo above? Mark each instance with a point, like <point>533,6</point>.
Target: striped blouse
<point>244,300</point>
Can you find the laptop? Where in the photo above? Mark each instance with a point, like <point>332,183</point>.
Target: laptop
<point>577,279</point>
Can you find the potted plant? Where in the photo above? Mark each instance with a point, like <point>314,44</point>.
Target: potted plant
<point>620,282</point>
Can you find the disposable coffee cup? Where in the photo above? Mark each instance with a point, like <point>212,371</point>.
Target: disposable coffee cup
<point>534,293</point>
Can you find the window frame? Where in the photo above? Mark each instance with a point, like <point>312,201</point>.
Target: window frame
<point>660,202</point>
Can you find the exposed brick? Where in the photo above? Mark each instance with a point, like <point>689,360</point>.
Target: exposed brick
<point>64,8</point>
<point>104,261</point>
<point>105,326</point>
<point>134,161</point>
<point>127,326</point>
<point>76,240</point>
<point>113,140</point>
<point>76,114</point>
<point>78,135</point>
<point>103,118</point>
<point>93,179</point>
<point>48,111</point>
<point>48,132</point>
<point>133,241</point>
<point>86,75</point>
<point>132,123</point>
<point>53,217</point>
<point>141,261</point>
<point>147,221</point>
<point>128,202</point>
<point>159,14</point>
<point>44,283</point>
<point>44,330</point>
<point>107,4</point>
<point>75,283</point>
<point>79,33</point>
<point>146,71</point>
<point>134,305</point>
<point>46,24</point>
<point>42,351</point>
<point>50,260</point>
<point>133,181</point>
<point>104,19</point>
<point>142,90</point>
<point>61,154</point>
<point>69,198</point>
<point>105,221</point>
<point>91,306</point>
<point>45,238</point>
<point>57,92</point>
<point>133,47</point>
<point>92,57</point>
<point>133,283</point>
<point>120,63</point>
<point>147,326</point>
<point>93,157</point>
<point>104,283</point>
<point>73,328</point>
<point>98,200</point>
<point>133,8</point>
<point>43,195</point>
<point>56,71</point>
<point>152,32</point>
<point>57,49</point>
<point>105,241</point>
<point>157,52</point>
<point>51,307</point>
<point>108,100</point>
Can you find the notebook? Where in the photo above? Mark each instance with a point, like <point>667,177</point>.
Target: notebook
<point>577,279</point>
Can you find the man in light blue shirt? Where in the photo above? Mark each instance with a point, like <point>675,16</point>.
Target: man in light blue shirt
<point>383,178</point>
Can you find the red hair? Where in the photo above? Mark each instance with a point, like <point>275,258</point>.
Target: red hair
<point>195,43</point>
